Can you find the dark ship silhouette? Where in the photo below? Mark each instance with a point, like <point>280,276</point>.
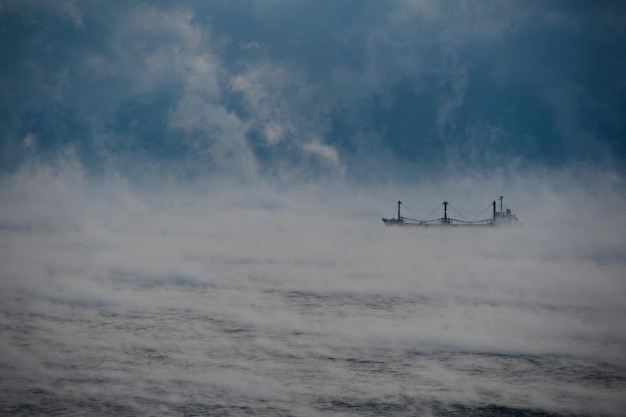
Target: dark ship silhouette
<point>502,217</point>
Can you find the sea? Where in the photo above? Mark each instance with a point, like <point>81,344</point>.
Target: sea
<point>173,311</point>
<point>78,360</point>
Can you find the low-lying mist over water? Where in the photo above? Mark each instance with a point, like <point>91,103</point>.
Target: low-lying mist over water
<point>256,301</point>
<point>191,197</point>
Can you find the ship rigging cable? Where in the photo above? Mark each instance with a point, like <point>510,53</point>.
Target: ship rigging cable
<point>481,213</point>
<point>457,212</point>
<point>427,219</point>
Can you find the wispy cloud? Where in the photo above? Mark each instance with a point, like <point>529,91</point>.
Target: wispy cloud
<point>416,83</point>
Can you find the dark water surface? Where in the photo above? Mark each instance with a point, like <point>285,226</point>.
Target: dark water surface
<point>282,353</point>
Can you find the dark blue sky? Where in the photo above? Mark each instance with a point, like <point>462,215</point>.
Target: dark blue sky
<point>306,89</point>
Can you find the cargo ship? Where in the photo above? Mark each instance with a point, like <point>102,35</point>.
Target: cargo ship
<point>502,217</point>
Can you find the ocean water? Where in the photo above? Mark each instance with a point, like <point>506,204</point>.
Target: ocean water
<point>239,352</point>
<point>127,308</point>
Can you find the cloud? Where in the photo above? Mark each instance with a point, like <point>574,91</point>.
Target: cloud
<point>324,152</point>
<point>262,87</point>
<point>68,9</point>
<point>416,83</point>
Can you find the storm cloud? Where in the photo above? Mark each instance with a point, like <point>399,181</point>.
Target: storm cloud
<point>363,89</point>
